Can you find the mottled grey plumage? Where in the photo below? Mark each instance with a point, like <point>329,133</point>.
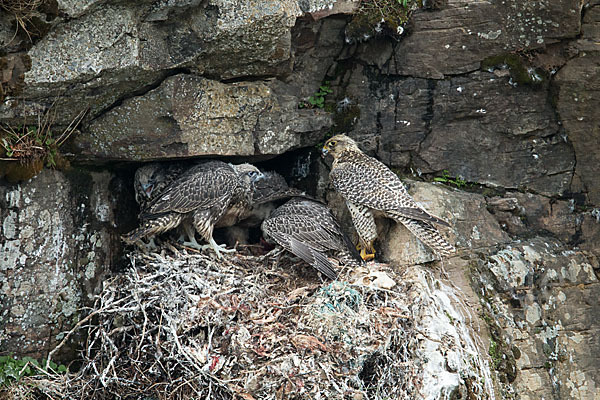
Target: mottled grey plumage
<point>151,179</point>
<point>272,187</point>
<point>206,195</point>
<point>369,186</point>
<point>266,191</point>
<point>309,230</point>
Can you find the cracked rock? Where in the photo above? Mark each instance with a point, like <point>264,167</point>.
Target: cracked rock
<point>192,116</point>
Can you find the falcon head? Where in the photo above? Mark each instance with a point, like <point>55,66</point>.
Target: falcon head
<point>248,172</point>
<point>337,144</point>
<point>145,179</point>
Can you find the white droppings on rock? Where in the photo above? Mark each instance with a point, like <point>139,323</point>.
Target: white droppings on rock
<point>102,212</point>
<point>14,197</point>
<point>475,233</point>
<point>530,254</point>
<point>589,270</point>
<point>447,344</point>
<point>572,272</point>
<point>551,332</point>
<point>8,225</point>
<point>552,275</point>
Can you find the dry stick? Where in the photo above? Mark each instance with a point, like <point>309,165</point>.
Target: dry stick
<point>75,328</point>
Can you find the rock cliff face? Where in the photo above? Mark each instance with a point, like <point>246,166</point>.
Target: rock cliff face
<point>497,100</point>
<point>58,241</point>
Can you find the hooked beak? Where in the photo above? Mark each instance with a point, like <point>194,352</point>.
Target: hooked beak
<point>148,187</point>
<point>324,151</point>
<point>258,177</point>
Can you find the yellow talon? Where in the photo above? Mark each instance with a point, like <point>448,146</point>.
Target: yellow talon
<point>366,256</point>
<point>363,252</point>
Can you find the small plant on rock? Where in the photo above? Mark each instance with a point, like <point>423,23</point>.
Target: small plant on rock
<point>380,18</point>
<point>35,144</point>
<point>317,99</point>
<point>13,369</point>
<point>448,179</point>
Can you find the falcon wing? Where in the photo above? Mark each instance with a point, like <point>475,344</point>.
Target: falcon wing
<point>201,187</point>
<point>317,211</point>
<point>303,236</point>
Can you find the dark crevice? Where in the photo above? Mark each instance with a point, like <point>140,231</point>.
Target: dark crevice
<point>427,118</point>
<point>242,79</point>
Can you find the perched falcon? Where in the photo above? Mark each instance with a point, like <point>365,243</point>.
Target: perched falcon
<point>204,195</point>
<point>369,187</point>
<point>309,230</point>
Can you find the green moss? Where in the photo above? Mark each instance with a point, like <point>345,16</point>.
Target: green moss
<point>380,17</point>
<point>15,171</point>
<point>520,71</point>
<point>448,179</point>
<point>330,107</point>
<point>502,354</point>
<point>495,354</point>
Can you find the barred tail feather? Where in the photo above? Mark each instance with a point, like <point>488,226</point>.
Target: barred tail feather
<point>349,259</point>
<point>429,235</point>
<point>153,227</point>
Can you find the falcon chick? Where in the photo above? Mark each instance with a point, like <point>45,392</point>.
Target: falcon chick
<point>203,195</point>
<point>272,187</point>
<point>309,230</point>
<point>369,187</point>
<point>151,179</point>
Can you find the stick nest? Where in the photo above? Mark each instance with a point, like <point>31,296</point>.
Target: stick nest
<point>187,325</point>
<point>180,326</point>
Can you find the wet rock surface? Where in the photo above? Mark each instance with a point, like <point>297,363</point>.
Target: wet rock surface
<point>431,125</point>
<point>578,94</point>
<point>456,37</point>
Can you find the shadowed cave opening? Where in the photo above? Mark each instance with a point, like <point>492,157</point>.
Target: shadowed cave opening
<point>299,167</point>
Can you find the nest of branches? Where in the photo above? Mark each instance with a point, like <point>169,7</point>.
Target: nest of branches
<point>186,325</point>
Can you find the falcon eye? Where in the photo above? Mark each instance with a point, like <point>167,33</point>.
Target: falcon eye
<point>332,143</point>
